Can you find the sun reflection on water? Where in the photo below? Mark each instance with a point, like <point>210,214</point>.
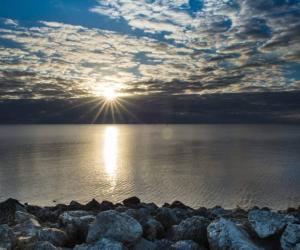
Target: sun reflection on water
<point>110,151</point>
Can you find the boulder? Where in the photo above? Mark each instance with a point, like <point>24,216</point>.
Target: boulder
<point>290,238</point>
<point>8,209</point>
<point>29,227</point>
<point>186,245</point>
<point>114,225</point>
<point>163,244</point>
<point>169,217</point>
<point>224,234</point>
<point>144,244</point>
<point>153,229</point>
<point>103,244</point>
<point>132,202</point>
<point>93,205</point>
<point>7,237</point>
<point>266,223</point>
<point>193,228</point>
<point>21,217</point>
<point>55,236</point>
<point>76,223</point>
<point>41,245</point>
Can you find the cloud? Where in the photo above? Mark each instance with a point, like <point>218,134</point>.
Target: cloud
<point>179,47</point>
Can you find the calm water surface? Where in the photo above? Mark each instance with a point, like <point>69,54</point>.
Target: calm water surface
<point>201,165</point>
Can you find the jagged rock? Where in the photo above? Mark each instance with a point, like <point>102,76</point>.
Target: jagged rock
<point>41,245</point>
<point>7,237</point>
<point>143,244</point>
<point>153,229</point>
<point>74,205</point>
<point>114,225</point>
<point>186,245</point>
<point>290,239</point>
<point>103,244</point>
<point>55,236</point>
<point>266,223</point>
<point>193,228</point>
<point>224,234</point>
<point>132,202</point>
<point>8,209</point>
<point>77,223</point>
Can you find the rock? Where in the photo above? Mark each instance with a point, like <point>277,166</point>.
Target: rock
<point>114,225</point>
<point>7,237</point>
<point>55,236</point>
<point>224,234</point>
<point>77,223</point>
<point>168,217</point>
<point>103,244</point>
<point>153,229</point>
<point>291,237</point>
<point>143,244</point>
<point>163,244</point>
<point>179,204</point>
<point>186,245</point>
<point>93,205</point>
<point>21,217</point>
<point>193,228</point>
<point>266,223</point>
<point>132,202</point>
<point>151,207</point>
<point>41,245</point>
<point>141,214</point>
<point>30,227</point>
<point>74,205</point>
<point>8,209</point>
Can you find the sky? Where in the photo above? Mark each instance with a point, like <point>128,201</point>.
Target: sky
<point>175,50</point>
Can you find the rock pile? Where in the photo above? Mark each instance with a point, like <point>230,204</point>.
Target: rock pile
<point>145,226</point>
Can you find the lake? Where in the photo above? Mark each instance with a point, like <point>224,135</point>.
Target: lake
<point>200,165</point>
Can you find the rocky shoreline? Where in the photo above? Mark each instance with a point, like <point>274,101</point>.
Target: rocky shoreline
<point>135,225</point>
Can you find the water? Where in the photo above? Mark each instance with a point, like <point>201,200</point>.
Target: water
<point>201,165</point>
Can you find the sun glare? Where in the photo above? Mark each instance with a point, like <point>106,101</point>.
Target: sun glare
<point>110,95</point>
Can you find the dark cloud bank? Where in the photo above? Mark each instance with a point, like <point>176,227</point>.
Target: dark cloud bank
<point>280,107</point>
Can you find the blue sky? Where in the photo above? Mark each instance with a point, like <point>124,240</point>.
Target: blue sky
<point>78,48</point>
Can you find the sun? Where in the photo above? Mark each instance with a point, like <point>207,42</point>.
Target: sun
<point>110,95</point>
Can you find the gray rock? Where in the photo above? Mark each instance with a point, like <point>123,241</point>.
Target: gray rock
<point>7,237</point>
<point>168,217</point>
<point>21,217</point>
<point>186,245</point>
<point>143,244</point>
<point>224,234</point>
<point>193,228</point>
<point>266,223</point>
<point>141,215</point>
<point>163,244</point>
<point>55,236</point>
<point>114,225</point>
<point>41,245</point>
<point>103,244</point>
<point>77,223</point>
<point>30,227</point>
<point>153,229</point>
<point>291,237</point>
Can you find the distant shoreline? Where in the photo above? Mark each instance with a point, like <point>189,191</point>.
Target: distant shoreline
<point>132,224</point>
